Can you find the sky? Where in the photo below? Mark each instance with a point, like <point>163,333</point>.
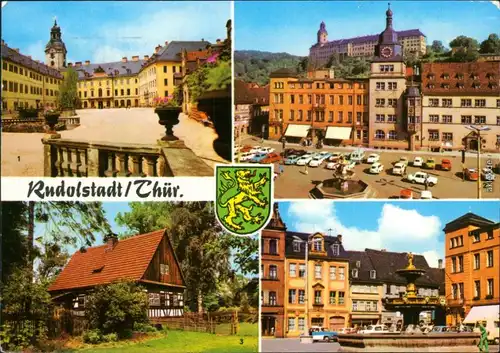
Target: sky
<point>109,30</point>
<point>285,26</point>
<point>404,226</point>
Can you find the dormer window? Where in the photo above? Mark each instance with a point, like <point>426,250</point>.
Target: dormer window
<point>355,273</point>
<point>164,269</point>
<point>430,76</point>
<point>490,76</point>
<point>430,85</point>
<point>445,76</point>
<point>460,76</point>
<point>335,249</point>
<point>460,85</point>
<point>476,85</point>
<point>474,76</point>
<point>358,264</point>
<point>317,244</point>
<point>445,86</point>
<point>296,246</point>
<point>373,274</point>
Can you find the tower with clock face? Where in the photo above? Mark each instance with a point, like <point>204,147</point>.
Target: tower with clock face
<point>322,35</point>
<point>387,84</point>
<point>55,50</point>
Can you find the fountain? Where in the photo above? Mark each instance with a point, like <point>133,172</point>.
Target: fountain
<point>412,339</point>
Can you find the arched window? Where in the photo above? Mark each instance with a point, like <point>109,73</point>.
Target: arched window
<point>379,135</point>
<point>393,135</point>
<point>100,91</point>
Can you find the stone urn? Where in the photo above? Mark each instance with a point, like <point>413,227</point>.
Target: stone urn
<point>217,105</point>
<point>168,117</point>
<point>51,120</point>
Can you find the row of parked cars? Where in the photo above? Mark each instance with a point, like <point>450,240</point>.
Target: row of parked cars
<point>257,154</point>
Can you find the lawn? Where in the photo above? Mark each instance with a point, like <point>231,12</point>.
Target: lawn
<point>184,341</point>
<point>245,329</point>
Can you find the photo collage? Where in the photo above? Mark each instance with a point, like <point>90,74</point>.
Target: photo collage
<point>250,176</point>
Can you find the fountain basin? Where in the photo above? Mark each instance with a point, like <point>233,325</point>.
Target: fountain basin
<point>329,189</point>
<point>395,342</point>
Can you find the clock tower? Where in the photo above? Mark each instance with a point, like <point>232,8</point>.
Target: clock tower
<point>387,84</point>
<point>322,34</point>
<point>55,50</point>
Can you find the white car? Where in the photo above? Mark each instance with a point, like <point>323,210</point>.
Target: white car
<point>266,150</point>
<point>420,177</point>
<point>426,195</point>
<point>305,159</point>
<point>403,160</point>
<point>335,156</point>
<point>357,156</point>
<point>376,168</point>
<point>332,165</point>
<point>418,162</point>
<point>373,158</point>
<point>375,329</point>
<point>399,168</point>
<point>316,161</point>
<point>245,156</point>
<point>255,149</point>
<point>488,174</point>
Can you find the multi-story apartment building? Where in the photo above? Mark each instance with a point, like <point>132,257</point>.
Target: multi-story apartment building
<point>273,276</point>
<point>108,85</point>
<point>472,253</point>
<point>412,41</point>
<point>162,72</point>
<point>27,82</point>
<point>365,290</point>
<point>456,95</point>
<point>318,107</point>
<point>385,263</point>
<point>251,104</point>
<point>326,277</point>
<point>387,84</point>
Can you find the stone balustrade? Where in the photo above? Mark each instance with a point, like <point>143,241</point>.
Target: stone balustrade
<point>73,158</point>
<point>72,120</point>
<point>16,121</point>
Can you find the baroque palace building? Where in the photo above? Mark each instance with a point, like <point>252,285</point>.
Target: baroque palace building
<point>389,109</point>
<point>472,252</point>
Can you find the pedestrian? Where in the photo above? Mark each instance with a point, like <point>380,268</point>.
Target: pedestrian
<point>281,168</point>
<point>283,142</point>
<point>426,183</point>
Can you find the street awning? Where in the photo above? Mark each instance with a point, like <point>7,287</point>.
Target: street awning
<point>294,130</point>
<point>338,133</point>
<point>484,312</point>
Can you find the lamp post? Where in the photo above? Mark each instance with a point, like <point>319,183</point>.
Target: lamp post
<point>478,130</point>
<point>306,338</point>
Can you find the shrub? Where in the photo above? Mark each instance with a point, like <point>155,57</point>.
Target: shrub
<point>143,327</point>
<point>110,337</point>
<point>116,307</point>
<point>127,333</point>
<point>92,336</point>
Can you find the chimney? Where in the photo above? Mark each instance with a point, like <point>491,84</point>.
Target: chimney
<point>124,59</point>
<point>135,58</point>
<point>440,263</point>
<point>166,42</point>
<point>111,241</point>
<point>339,237</point>
<point>157,48</point>
<point>87,62</point>
<point>146,57</point>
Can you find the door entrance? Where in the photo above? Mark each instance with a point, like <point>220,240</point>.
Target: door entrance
<point>268,326</point>
<point>100,105</point>
<point>336,323</point>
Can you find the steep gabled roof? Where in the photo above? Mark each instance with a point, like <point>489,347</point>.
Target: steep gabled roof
<point>329,241</point>
<point>128,259</point>
<point>173,50</point>
<point>364,269</point>
<point>116,68</point>
<point>465,221</point>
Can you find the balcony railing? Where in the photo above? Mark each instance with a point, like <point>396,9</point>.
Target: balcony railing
<point>270,304</point>
<point>73,158</point>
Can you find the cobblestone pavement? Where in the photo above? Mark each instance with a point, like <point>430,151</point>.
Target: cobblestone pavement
<point>294,183</point>
<point>294,345</point>
<point>22,153</point>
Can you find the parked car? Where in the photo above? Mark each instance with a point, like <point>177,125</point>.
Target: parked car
<point>421,177</point>
<point>292,159</point>
<point>430,163</point>
<point>487,174</point>
<point>246,156</point>
<point>246,148</point>
<point>439,329</point>
<point>305,159</point>
<point>255,149</point>
<point>347,330</point>
<point>406,194</point>
<point>375,329</point>
<point>471,174</point>
<point>357,156</point>
<point>418,162</point>
<point>259,156</point>
<point>399,168</point>
<point>271,158</point>
<point>445,164</point>
<point>372,158</point>
<point>426,195</point>
<point>350,165</point>
<point>266,150</point>
<point>404,161</point>
<point>316,161</point>
<point>324,335</point>
<point>335,156</point>
<point>376,168</point>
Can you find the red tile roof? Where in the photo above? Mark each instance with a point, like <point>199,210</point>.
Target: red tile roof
<point>128,259</point>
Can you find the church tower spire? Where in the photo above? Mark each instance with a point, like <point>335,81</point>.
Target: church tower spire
<point>55,50</point>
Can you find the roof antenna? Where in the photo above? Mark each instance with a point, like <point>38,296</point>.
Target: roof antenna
<point>330,232</point>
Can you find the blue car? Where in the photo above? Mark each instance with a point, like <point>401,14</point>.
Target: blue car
<point>327,336</point>
<point>291,159</point>
<point>258,157</point>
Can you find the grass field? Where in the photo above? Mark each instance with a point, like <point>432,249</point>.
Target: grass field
<point>245,329</point>
<point>184,341</point>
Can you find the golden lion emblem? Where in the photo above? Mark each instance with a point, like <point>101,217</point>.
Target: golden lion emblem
<point>247,190</point>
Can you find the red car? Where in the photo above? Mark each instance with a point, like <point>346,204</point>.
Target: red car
<point>445,164</point>
<point>271,158</point>
<point>471,174</point>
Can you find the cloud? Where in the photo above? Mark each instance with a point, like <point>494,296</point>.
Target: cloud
<point>106,53</point>
<point>397,229</point>
<point>36,50</point>
<point>496,3</point>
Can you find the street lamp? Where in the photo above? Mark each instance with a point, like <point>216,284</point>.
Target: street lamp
<point>478,130</point>
<point>306,338</point>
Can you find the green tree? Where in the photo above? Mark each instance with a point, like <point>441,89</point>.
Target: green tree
<point>490,45</point>
<point>68,95</point>
<point>115,307</point>
<point>437,46</point>
<point>219,76</point>
<point>13,240</point>
<point>464,55</point>
<point>464,42</point>
<point>303,65</point>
